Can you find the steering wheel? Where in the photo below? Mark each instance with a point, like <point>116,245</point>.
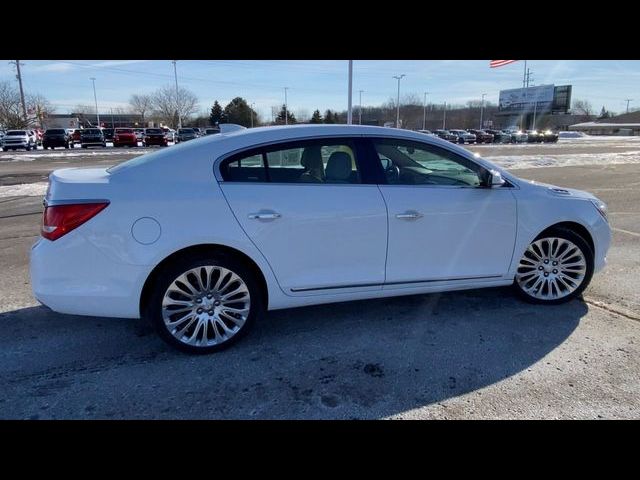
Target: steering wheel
<point>392,173</point>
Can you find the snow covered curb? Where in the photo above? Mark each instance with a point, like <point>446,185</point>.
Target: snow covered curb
<point>24,190</point>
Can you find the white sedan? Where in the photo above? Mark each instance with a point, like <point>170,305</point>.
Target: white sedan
<point>203,238</point>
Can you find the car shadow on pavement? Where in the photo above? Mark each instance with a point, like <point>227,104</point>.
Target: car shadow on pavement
<point>364,359</point>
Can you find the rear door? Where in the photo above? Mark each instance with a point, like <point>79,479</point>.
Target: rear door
<point>308,207</point>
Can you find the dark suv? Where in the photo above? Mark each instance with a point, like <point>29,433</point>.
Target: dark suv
<point>92,137</point>
<point>155,136</point>
<point>108,134</point>
<point>446,135</point>
<point>482,136</point>
<point>55,137</point>
<point>185,134</point>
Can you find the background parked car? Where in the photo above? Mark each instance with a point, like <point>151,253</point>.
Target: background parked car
<point>15,139</point>
<point>534,136</point>
<point>170,133</point>
<point>198,131</point>
<point>482,136</point>
<point>185,134</point>
<point>125,137</point>
<point>446,135</point>
<point>550,136</point>
<point>139,133</point>
<point>500,136</point>
<point>108,134</point>
<point>75,136</point>
<point>517,136</point>
<point>92,137</point>
<point>155,136</point>
<point>427,132</point>
<point>211,131</point>
<point>55,137</point>
<point>464,136</point>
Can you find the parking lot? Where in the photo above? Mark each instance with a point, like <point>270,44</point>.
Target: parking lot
<point>475,354</point>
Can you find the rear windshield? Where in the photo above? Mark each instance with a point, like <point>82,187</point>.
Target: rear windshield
<point>16,132</point>
<point>124,130</point>
<point>91,131</point>
<point>154,130</point>
<point>56,131</point>
<point>186,130</point>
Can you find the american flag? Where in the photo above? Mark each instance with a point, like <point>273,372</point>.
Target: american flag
<point>500,63</point>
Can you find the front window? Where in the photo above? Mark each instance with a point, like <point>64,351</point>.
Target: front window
<point>124,130</point>
<point>17,133</point>
<point>407,162</point>
<point>92,131</point>
<point>154,131</point>
<point>56,131</point>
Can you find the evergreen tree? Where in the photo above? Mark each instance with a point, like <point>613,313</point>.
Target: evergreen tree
<point>329,117</point>
<point>290,116</point>
<point>217,114</point>
<point>316,117</point>
<point>239,112</point>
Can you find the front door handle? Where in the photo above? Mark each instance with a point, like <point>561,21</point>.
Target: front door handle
<point>410,215</point>
<point>264,216</point>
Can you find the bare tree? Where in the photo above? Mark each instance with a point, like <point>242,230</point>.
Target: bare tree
<point>582,107</point>
<point>38,108</point>
<point>141,104</point>
<point>169,109</point>
<point>10,107</point>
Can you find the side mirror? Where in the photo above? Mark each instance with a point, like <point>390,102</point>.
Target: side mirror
<point>494,179</point>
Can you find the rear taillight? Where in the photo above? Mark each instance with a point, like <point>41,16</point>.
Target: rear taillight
<point>58,220</point>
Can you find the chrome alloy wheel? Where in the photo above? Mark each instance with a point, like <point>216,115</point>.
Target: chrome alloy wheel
<point>551,268</point>
<point>206,306</point>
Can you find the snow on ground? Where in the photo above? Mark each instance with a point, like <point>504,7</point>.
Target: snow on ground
<point>25,189</point>
<point>515,162</point>
<point>29,157</point>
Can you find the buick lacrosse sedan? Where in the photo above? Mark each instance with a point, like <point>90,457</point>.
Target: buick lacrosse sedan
<point>202,238</point>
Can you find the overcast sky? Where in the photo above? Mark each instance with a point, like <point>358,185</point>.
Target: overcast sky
<point>320,84</point>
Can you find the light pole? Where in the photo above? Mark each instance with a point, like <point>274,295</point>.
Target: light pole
<point>175,74</point>
<point>444,118</point>
<point>95,98</point>
<point>253,104</point>
<point>360,109</point>
<point>628,100</point>
<point>424,113</point>
<point>350,101</point>
<point>286,108</point>
<point>482,109</point>
<point>398,100</point>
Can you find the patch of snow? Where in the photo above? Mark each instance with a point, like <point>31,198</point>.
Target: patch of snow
<point>24,190</point>
<point>515,162</point>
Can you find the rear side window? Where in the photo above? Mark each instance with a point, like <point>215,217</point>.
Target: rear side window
<point>316,161</point>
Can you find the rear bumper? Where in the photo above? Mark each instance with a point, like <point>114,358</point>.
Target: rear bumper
<point>63,277</point>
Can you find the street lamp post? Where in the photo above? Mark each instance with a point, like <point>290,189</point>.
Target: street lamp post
<point>482,109</point>
<point>444,118</point>
<point>424,113</point>
<point>253,104</point>
<point>398,100</point>
<point>286,115</point>
<point>175,74</point>
<point>95,99</point>
<point>360,109</point>
<point>349,105</point>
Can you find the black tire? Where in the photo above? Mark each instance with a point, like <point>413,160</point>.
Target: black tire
<point>85,146</point>
<point>66,146</point>
<point>586,250</point>
<point>4,149</point>
<point>152,312</point>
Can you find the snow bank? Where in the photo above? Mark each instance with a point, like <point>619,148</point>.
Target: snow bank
<point>515,162</point>
<point>24,190</point>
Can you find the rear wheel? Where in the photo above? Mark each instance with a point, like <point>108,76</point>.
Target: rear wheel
<point>556,267</point>
<point>205,303</point>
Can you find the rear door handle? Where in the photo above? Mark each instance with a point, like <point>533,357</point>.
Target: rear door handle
<point>264,216</point>
<point>410,215</point>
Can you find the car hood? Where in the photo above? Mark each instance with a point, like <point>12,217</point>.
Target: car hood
<point>562,191</point>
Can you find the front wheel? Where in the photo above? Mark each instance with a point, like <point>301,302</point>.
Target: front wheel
<point>205,303</point>
<point>556,267</point>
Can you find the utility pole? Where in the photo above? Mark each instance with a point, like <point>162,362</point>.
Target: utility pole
<point>253,104</point>
<point>424,112</point>
<point>113,125</point>
<point>626,100</point>
<point>349,104</point>
<point>482,109</point>
<point>286,109</point>
<point>524,77</point>
<point>95,99</point>
<point>175,74</point>
<point>398,100</point>
<point>360,109</point>
<point>444,118</point>
<point>19,77</point>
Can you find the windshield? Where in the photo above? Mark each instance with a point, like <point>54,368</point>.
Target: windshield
<point>56,131</point>
<point>124,130</point>
<point>186,130</point>
<point>154,130</point>
<point>91,131</point>
<point>16,132</point>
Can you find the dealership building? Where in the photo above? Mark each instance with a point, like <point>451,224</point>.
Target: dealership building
<point>625,124</point>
